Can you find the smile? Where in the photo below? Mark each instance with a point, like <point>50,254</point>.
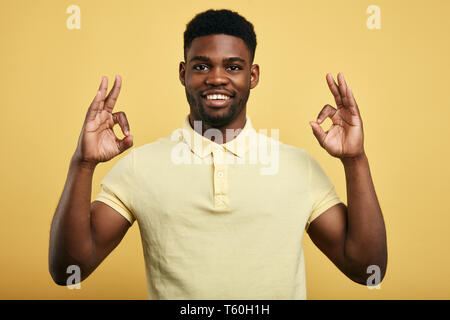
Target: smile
<point>217,101</point>
<point>217,97</point>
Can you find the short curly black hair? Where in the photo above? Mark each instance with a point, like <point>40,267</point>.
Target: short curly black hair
<point>220,22</point>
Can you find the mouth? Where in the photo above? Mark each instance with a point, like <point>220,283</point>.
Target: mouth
<point>217,100</point>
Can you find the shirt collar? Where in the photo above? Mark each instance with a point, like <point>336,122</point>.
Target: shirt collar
<point>202,146</point>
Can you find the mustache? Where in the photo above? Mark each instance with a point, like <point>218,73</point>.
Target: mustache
<point>228,92</point>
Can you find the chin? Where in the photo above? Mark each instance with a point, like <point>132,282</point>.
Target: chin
<point>219,117</point>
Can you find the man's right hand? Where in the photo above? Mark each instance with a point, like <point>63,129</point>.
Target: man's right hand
<point>97,141</point>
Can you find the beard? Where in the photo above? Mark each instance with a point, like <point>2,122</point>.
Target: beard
<point>221,120</point>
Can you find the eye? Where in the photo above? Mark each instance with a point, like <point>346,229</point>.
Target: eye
<point>235,68</point>
<point>200,67</point>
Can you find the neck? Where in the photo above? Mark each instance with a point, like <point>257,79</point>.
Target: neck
<point>236,125</point>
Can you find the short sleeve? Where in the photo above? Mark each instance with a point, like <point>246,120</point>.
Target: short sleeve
<point>321,190</point>
<point>117,187</point>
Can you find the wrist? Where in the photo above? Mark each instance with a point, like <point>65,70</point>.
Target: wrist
<point>83,164</point>
<point>354,160</point>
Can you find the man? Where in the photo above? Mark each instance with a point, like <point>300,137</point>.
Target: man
<point>215,229</point>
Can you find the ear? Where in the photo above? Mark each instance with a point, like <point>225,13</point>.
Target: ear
<point>254,75</point>
<point>182,71</point>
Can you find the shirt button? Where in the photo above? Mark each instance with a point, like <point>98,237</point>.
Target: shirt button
<point>220,174</point>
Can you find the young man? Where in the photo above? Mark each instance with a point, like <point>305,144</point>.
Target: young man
<point>210,228</point>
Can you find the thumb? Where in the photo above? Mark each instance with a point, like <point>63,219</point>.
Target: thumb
<point>318,132</point>
<point>125,143</point>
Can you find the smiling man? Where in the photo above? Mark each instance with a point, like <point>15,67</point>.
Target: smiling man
<point>219,229</point>
<point>219,71</point>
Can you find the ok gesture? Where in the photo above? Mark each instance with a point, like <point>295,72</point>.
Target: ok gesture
<point>97,142</point>
<point>345,138</point>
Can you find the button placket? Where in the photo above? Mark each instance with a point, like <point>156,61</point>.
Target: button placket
<point>220,179</point>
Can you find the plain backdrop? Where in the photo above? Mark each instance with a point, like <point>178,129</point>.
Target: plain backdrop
<point>399,75</point>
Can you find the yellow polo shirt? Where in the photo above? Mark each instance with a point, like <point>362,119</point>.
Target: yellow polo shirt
<point>220,221</point>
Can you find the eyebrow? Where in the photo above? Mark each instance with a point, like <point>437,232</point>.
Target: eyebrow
<point>206,59</point>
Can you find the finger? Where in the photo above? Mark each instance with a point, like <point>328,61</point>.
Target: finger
<point>121,119</point>
<point>103,89</point>
<point>353,106</point>
<point>97,104</point>
<point>94,108</point>
<point>125,143</point>
<point>327,111</point>
<point>342,88</point>
<point>334,90</point>
<point>318,132</point>
<point>113,94</point>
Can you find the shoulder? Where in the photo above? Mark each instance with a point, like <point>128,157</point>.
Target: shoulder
<point>161,145</point>
<point>294,151</point>
<point>156,153</point>
<point>291,160</point>
<point>298,154</point>
<point>262,139</point>
<point>293,154</point>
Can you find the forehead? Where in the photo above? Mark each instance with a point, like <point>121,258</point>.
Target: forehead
<point>218,46</point>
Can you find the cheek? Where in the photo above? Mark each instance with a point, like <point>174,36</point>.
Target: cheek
<point>194,79</point>
<point>191,89</point>
<point>243,83</point>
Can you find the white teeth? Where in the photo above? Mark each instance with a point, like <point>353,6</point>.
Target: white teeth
<point>217,97</point>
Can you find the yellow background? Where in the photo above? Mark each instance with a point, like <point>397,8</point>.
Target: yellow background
<point>399,75</point>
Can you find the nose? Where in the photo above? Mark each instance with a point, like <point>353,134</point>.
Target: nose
<point>217,77</point>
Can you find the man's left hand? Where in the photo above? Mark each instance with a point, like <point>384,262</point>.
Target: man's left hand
<point>345,138</point>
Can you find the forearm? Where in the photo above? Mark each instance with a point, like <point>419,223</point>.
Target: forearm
<point>365,242</point>
<point>70,235</point>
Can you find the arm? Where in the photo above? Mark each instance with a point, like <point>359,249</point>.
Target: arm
<point>82,233</point>
<point>353,237</point>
